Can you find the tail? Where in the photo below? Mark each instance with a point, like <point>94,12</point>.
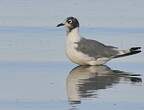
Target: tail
<point>131,51</point>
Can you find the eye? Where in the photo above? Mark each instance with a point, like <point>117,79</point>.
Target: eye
<point>69,21</point>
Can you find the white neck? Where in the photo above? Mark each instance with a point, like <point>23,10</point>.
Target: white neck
<point>73,35</point>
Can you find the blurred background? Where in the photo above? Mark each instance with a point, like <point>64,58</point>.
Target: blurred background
<point>35,74</point>
<point>28,27</point>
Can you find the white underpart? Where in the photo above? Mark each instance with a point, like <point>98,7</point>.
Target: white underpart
<point>99,61</point>
<point>121,52</point>
<point>76,56</point>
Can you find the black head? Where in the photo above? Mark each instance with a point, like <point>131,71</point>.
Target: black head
<point>70,23</point>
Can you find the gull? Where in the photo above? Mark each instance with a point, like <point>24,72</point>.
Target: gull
<point>83,51</point>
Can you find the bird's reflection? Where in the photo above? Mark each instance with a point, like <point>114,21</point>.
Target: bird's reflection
<point>84,81</point>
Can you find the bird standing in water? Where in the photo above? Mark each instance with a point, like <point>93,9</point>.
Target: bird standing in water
<point>84,51</point>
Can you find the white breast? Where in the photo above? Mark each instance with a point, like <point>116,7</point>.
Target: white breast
<point>76,56</point>
<point>82,59</point>
<point>73,54</point>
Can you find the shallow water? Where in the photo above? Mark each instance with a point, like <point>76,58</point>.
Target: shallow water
<point>61,85</point>
<point>36,75</point>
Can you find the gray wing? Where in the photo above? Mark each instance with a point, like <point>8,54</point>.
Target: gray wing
<point>96,49</point>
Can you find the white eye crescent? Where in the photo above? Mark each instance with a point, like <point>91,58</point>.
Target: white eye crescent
<point>69,21</point>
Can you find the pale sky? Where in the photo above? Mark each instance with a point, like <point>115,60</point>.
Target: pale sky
<point>99,13</point>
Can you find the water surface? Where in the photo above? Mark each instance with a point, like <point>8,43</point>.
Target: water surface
<point>36,75</point>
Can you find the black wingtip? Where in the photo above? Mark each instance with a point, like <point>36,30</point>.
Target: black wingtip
<point>127,54</point>
<point>135,48</point>
<point>135,52</point>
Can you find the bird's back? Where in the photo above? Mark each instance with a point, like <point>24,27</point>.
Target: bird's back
<point>95,49</point>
